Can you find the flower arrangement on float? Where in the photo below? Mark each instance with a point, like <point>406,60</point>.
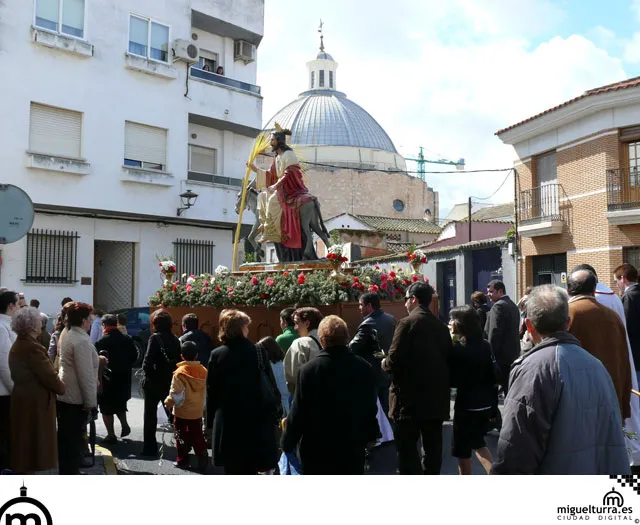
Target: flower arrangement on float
<point>416,258</point>
<point>282,288</point>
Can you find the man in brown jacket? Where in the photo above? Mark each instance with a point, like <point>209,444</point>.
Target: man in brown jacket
<point>419,394</point>
<point>601,333</point>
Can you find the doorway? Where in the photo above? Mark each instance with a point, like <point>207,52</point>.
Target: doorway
<point>113,275</point>
<point>447,273</point>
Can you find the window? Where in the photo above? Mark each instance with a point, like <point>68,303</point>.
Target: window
<point>208,62</point>
<point>148,39</point>
<point>51,257</point>
<point>62,16</point>
<point>631,256</point>
<point>331,79</point>
<point>398,205</point>
<point>313,79</point>
<point>55,131</point>
<point>193,257</point>
<point>203,160</point>
<point>321,79</point>
<point>546,168</point>
<point>145,146</point>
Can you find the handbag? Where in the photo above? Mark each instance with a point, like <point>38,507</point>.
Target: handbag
<point>270,397</point>
<point>495,368</point>
<point>141,375</point>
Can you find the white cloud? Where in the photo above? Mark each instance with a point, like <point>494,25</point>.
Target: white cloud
<point>441,76</point>
<point>632,49</point>
<point>635,7</point>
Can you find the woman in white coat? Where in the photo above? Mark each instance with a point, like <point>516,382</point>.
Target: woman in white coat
<point>79,373</point>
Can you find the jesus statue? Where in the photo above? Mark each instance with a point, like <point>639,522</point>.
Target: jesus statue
<point>286,193</point>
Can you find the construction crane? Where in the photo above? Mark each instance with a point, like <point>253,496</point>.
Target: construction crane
<point>422,161</point>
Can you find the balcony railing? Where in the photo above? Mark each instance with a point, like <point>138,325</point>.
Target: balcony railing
<point>541,203</point>
<point>623,189</point>
<point>225,81</point>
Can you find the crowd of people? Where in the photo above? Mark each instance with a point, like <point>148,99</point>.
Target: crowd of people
<point>317,400</point>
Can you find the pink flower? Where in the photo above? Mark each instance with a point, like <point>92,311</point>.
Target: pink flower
<point>384,277</point>
<point>285,274</point>
<point>188,288</point>
<point>175,287</point>
<point>217,288</point>
<point>374,288</point>
<point>301,278</point>
<point>204,290</point>
<point>206,283</point>
<point>270,281</point>
<point>384,285</point>
<point>254,281</point>
<point>377,267</point>
<point>414,278</point>
<point>229,288</point>
<point>392,274</point>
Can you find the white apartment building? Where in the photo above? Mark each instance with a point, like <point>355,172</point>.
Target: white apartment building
<point>109,111</point>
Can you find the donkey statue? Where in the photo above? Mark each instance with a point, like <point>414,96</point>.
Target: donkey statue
<point>310,222</point>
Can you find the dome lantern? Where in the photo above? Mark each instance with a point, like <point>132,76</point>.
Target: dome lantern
<point>322,70</point>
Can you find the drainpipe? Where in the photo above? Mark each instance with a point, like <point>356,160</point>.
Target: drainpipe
<point>469,213</point>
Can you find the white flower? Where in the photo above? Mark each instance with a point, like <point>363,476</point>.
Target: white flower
<point>336,249</point>
<point>419,253</point>
<point>238,284</point>
<point>222,270</point>
<point>167,265</point>
<point>184,275</point>
<point>191,279</point>
<point>166,282</point>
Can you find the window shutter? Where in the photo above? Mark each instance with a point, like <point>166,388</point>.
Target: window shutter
<point>630,134</point>
<point>203,160</point>
<point>145,143</point>
<point>55,131</point>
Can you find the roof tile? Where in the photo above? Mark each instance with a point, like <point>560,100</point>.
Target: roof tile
<point>400,225</point>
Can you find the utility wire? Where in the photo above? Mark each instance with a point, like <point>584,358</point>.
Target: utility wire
<point>402,171</point>
<point>499,188</point>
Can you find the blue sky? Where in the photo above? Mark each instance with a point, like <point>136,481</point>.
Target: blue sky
<point>447,74</point>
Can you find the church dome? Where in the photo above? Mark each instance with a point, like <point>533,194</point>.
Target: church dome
<point>325,117</point>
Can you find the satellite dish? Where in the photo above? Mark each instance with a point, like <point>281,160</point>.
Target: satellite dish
<point>16,213</point>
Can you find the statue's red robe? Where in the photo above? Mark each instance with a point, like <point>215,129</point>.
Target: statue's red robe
<point>292,193</point>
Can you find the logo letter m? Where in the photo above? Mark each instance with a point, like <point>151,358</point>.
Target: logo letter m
<point>24,519</point>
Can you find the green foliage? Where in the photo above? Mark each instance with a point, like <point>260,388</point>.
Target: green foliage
<point>283,288</point>
<point>334,237</point>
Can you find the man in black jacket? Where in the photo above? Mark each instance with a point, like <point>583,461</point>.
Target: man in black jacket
<point>419,396</point>
<point>333,415</point>
<point>626,277</point>
<point>191,332</point>
<point>374,335</point>
<point>503,329</point>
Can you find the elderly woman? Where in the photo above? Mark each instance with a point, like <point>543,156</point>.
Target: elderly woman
<point>79,372</point>
<point>333,416</point>
<point>34,445</point>
<point>243,427</point>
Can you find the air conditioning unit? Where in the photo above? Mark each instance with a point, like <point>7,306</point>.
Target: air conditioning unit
<point>244,51</point>
<point>185,50</point>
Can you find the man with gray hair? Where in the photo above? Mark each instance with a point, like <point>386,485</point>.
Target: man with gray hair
<point>561,415</point>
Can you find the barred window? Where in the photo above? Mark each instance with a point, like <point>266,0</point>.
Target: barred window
<point>51,256</point>
<point>193,257</point>
<point>631,256</point>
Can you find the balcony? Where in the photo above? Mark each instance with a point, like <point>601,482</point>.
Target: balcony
<point>539,211</point>
<point>623,196</point>
<point>224,81</point>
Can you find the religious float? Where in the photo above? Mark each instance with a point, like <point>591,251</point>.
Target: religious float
<point>288,216</point>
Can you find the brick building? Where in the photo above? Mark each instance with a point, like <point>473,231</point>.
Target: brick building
<point>578,186</point>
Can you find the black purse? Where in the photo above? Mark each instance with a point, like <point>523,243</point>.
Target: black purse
<point>270,398</point>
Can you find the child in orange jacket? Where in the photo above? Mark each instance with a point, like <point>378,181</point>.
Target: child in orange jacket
<point>186,398</point>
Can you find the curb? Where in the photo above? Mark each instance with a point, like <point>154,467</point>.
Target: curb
<point>109,462</point>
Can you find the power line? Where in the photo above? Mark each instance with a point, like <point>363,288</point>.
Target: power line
<point>499,188</point>
<point>403,171</point>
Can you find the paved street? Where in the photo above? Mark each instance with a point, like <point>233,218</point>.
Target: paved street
<point>125,453</point>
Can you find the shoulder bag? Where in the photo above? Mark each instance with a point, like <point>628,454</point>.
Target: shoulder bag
<point>270,397</point>
<point>145,382</point>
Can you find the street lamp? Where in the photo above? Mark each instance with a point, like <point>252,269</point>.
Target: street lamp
<point>188,199</point>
